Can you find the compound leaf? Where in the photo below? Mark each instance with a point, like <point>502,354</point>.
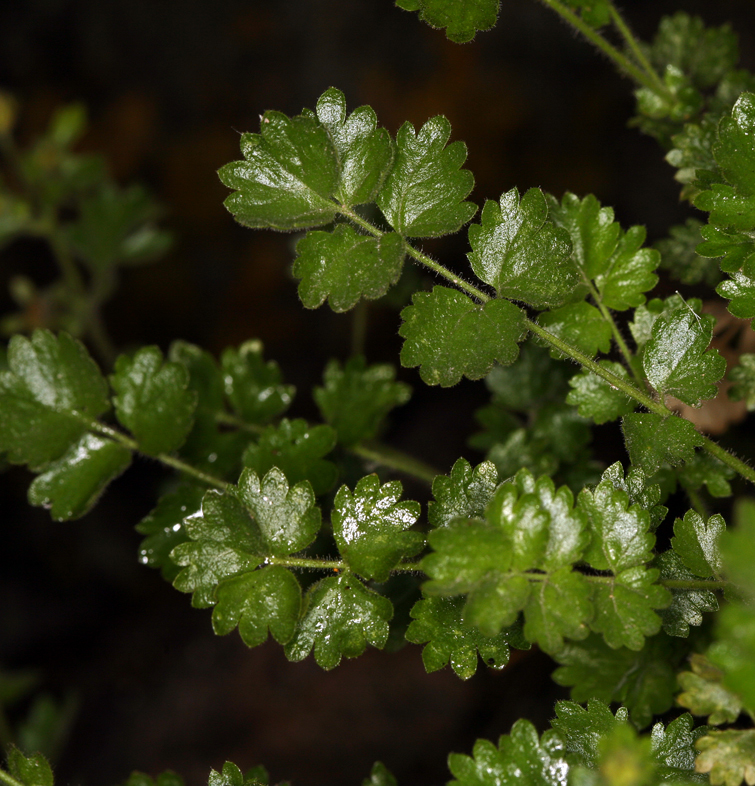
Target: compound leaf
<point>164,528</point>
<point>461,20</point>
<point>48,381</point>
<point>583,728</point>
<point>703,692</point>
<point>696,543</point>
<point>653,441</point>
<point>740,289</point>
<point>364,151</point>
<point>629,273</point>
<point>254,387</point>
<point>728,756</point>
<point>341,616</point>
<point>297,450</point>
<point>225,541</point>
<point>258,601</point>
<point>449,336</point>
<point>687,606</point>
<point>423,196</point>
<point>521,759</point>
<point>580,325</point>
<point>344,266</point>
<point>153,400</point>
<point>464,492</point>
<point>677,361</point>
<point>288,518</point>
<point>72,484</point>
<point>357,397</point>
<point>439,622</point>
<point>520,253</point>
<point>288,177</point>
<point>644,680</point>
<point>30,771</point>
<point>370,527</point>
<point>597,399</point>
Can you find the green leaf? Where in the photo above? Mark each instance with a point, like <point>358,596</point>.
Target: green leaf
<point>379,776</point>
<point>640,492</point>
<point>727,207</point>
<point>231,775</point>
<point>706,470</point>
<point>344,266</point>
<point>687,606</point>
<point>729,756</point>
<point>439,622</point>
<point>205,376</point>
<point>692,154</point>
<point>743,377</point>
<point>288,518</point>
<point>258,601</point>
<point>521,759</point>
<point>424,192</point>
<point>288,177</point>
<point>522,254</point>
<point>736,249</point>
<point>341,616</point>
<point>48,382</point>
<point>676,361</point>
<point>356,398</point>
<point>674,748</point>
<point>644,680</point>
<point>254,387</point>
<point>583,728</point>
<point>653,441</point>
<point>30,771</point>
<point>580,325</point>
<point>166,778</point>
<point>683,257</point>
<point>703,692</point>
<point>464,492</point>
<point>734,151</point>
<point>629,273</point>
<point>450,336</point>
<point>461,20</point>
<point>592,229</point>
<point>164,527</point>
<point>697,543</point>
<point>225,541</point>
<point>740,289</point>
<point>363,150</point>
<point>370,527</point>
<point>153,400</point>
<point>624,607</point>
<point>72,484</point>
<point>596,13</point>
<point>297,450</point>
<point>597,399</point>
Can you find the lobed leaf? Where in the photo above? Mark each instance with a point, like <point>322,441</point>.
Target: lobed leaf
<point>521,254</point>
<point>687,606</point>
<point>706,470</point>
<point>736,249</point>
<point>463,493</point>
<point>630,272</point>
<point>288,177</point>
<point>703,692</point>
<point>341,616</point>
<point>29,770</point>
<point>580,325</point>
<point>72,484</point>
<point>639,491</point>
<point>727,207</point>
<point>153,400</point>
<point>734,152</point>
<point>653,441</point>
<point>356,398</point>
<point>449,336</point>
<point>369,526</point>
<point>743,377</point>
<point>583,728</point>
<point>297,450</point>
<point>363,151</point>
<point>597,399</point>
<point>740,289</point>
<point>674,748</point>
<point>258,601</point>
<point>288,518</point>
<point>684,258</point>
<point>423,196</point>
<point>461,20</point>
<point>49,391</point>
<point>728,756</point>
<point>343,266</point>
<point>697,543</point>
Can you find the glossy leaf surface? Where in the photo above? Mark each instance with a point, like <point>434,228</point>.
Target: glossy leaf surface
<point>449,336</point>
<point>639,491</point>
<point>288,518</point>
<point>521,254</point>
<point>356,398</point>
<point>72,484</point>
<point>581,326</point>
<point>583,728</point>
<point>461,20</point>
<point>370,527</point>
<point>653,441</point>
<point>630,272</point>
<point>687,606</point>
<point>697,543</point>
<point>258,601</point>
<point>597,399</point>
<point>47,381</point>
<point>343,266</point>
<point>734,151</point>
<point>740,289</point>
<point>464,492</point>
<point>423,196</point>
<point>340,619</point>
<point>153,400</point>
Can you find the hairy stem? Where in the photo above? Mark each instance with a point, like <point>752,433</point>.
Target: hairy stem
<point>8,779</point>
<point>618,338</point>
<point>636,50</point>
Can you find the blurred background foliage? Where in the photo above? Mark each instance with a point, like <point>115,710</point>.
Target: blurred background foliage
<point>128,675</point>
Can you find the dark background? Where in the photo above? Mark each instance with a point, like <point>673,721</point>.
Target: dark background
<point>168,86</point>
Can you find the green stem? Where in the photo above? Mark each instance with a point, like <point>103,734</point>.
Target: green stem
<point>8,779</point>
<point>697,503</point>
<point>634,45</point>
<point>727,458</point>
<point>618,338</point>
<point>330,564</point>
<point>395,459</point>
<point>623,63</point>
<point>231,420</point>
